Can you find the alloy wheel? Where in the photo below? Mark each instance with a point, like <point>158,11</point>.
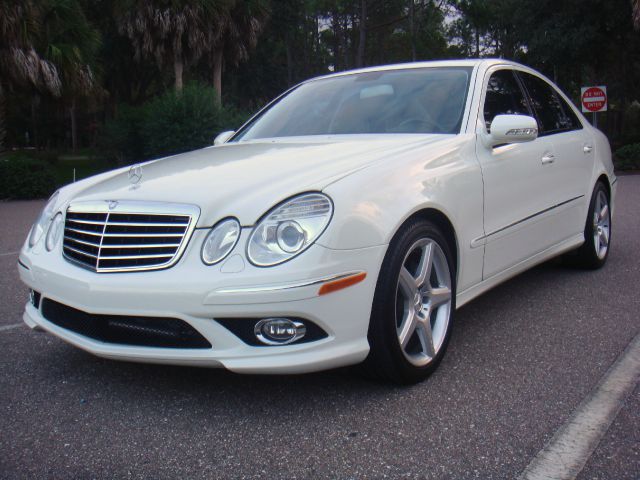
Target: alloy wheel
<point>423,302</point>
<point>601,225</point>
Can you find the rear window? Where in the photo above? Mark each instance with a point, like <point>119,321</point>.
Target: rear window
<point>553,113</point>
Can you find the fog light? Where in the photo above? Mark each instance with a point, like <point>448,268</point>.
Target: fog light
<point>279,331</point>
<point>34,298</point>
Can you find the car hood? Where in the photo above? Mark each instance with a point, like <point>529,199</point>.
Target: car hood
<point>244,180</point>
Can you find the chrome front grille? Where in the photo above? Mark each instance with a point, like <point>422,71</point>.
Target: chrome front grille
<point>127,236</point>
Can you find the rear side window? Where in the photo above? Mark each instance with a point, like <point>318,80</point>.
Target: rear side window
<point>504,97</point>
<point>554,115</point>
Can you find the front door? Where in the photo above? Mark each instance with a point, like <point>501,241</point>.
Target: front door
<point>516,182</point>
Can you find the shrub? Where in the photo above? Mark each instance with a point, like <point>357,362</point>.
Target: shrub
<point>628,157</point>
<point>120,136</point>
<point>179,122</point>
<point>169,124</point>
<point>22,177</point>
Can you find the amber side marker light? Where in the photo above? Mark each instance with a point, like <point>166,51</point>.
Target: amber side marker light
<point>345,282</point>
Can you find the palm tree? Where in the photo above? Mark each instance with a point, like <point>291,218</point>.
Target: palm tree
<point>70,42</point>
<point>232,35</point>
<point>170,31</point>
<point>20,64</point>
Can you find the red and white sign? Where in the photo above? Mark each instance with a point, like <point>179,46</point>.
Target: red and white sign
<point>594,99</point>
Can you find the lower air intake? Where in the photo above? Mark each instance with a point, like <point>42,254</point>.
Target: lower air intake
<point>125,330</point>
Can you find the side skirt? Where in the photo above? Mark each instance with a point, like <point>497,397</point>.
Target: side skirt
<point>478,289</point>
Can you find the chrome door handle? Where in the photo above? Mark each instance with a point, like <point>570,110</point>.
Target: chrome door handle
<point>548,158</point>
<point>587,149</point>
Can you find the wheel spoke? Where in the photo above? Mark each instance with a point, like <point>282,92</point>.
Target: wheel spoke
<point>604,212</point>
<point>424,267</point>
<point>604,237</point>
<point>407,284</point>
<point>426,337</point>
<point>408,327</point>
<point>439,296</point>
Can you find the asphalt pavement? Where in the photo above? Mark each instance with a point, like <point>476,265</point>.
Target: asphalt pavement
<point>521,360</point>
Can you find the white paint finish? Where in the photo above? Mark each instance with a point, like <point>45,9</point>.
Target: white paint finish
<point>469,294</point>
<point>244,180</point>
<point>568,451</point>
<point>188,291</point>
<point>432,177</point>
<point>376,183</point>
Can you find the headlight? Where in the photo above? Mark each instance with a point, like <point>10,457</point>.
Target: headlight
<point>220,241</point>
<point>41,224</point>
<point>289,229</point>
<point>55,230</point>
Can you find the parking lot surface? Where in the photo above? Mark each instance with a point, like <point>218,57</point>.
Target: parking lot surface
<point>521,360</point>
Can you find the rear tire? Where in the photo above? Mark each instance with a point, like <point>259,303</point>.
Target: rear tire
<point>594,251</point>
<point>413,306</point>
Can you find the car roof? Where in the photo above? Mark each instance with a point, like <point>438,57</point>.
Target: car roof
<point>470,62</point>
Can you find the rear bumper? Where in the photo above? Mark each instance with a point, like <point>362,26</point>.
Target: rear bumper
<point>198,294</point>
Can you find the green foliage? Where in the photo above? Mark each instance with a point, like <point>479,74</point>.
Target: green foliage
<point>631,122</point>
<point>169,124</point>
<point>23,177</point>
<point>120,137</point>
<point>132,51</point>
<point>628,157</point>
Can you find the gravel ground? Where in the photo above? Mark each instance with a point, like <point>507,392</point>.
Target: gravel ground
<point>522,358</point>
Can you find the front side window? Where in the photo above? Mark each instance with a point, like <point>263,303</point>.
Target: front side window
<point>554,115</point>
<point>416,100</point>
<point>504,97</point>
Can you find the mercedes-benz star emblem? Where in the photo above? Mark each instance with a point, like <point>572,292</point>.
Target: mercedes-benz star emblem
<point>135,174</point>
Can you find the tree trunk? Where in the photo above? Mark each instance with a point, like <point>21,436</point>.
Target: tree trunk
<point>287,45</point>
<point>3,131</point>
<point>178,68</point>
<point>74,129</point>
<point>218,60</point>
<point>412,28</point>
<point>35,101</point>
<point>363,34</point>
<point>336,41</point>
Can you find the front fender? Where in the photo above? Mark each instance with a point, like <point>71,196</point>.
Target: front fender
<point>372,204</point>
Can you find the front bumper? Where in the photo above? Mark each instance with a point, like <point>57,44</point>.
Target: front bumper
<point>198,294</point>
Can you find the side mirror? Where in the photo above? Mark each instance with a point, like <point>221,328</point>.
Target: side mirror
<point>223,137</point>
<point>512,129</point>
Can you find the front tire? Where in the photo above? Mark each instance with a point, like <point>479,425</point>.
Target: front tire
<point>413,305</point>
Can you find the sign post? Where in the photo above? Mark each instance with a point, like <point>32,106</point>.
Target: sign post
<point>594,100</point>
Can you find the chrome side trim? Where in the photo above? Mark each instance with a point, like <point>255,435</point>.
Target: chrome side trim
<point>477,242</point>
<point>284,286</point>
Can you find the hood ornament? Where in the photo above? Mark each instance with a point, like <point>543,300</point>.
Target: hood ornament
<point>135,175</point>
<point>112,204</point>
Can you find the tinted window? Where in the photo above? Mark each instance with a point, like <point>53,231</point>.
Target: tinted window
<point>417,100</point>
<point>554,115</point>
<point>504,96</point>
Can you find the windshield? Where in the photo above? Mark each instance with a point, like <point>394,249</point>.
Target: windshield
<point>416,100</point>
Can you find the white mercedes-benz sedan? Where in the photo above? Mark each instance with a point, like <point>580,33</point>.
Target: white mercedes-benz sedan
<point>343,224</point>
